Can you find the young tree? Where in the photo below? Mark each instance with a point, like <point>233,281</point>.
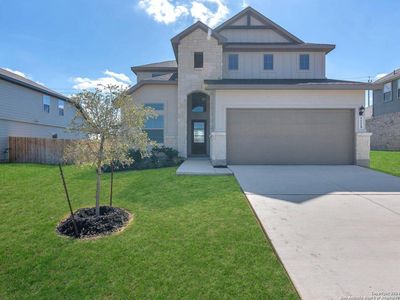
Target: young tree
<point>113,125</point>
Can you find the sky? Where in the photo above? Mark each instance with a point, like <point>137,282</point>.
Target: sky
<point>69,45</point>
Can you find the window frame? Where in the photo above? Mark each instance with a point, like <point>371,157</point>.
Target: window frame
<point>264,62</point>
<point>198,54</point>
<point>398,89</point>
<point>46,106</point>
<point>61,108</point>
<point>237,61</point>
<point>300,62</point>
<point>160,113</point>
<point>387,92</point>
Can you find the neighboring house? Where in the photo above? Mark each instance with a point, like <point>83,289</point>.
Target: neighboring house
<point>385,122</point>
<point>250,92</point>
<point>28,109</point>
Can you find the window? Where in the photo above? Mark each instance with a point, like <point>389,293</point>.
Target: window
<point>199,103</point>
<point>198,59</point>
<point>387,92</point>
<point>268,61</point>
<point>233,61</point>
<point>398,89</point>
<point>155,126</point>
<point>304,61</point>
<point>60,107</point>
<point>46,103</point>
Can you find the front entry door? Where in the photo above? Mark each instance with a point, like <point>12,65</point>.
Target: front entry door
<point>199,133</point>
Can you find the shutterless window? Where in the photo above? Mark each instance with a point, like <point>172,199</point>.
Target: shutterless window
<point>304,61</point>
<point>199,103</point>
<point>155,126</point>
<point>198,59</point>
<point>268,61</point>
<point>46,103</point>
<point>233,61</point>
<point>60,107</point>
<point>387,92</point>
<point>398,89</point>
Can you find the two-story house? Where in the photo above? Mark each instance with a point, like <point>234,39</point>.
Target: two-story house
<point>250,92</point>
<point>385,122</point>
<point>28,109</point>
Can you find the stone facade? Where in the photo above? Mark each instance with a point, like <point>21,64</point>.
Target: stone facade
<point>190,79</point>
<point>385,131</point>
<point>362,148</point>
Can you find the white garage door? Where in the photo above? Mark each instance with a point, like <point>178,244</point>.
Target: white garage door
<point>290,136</point>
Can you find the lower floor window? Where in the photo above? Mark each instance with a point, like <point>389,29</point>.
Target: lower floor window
<point>155,129</point>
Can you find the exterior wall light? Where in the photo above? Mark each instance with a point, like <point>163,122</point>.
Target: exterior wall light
<point>361,110</point>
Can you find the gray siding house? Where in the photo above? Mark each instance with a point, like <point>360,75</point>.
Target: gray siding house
<point>385,122</point>
<point>250,92</point>
<point>28,109</point>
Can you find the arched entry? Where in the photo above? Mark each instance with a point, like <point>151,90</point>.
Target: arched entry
<point>198,124</point>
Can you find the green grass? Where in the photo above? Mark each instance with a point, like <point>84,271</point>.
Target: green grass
<point>386,161</point>
<point>191,238</point>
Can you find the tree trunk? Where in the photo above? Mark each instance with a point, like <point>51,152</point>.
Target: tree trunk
<point>98,171</point>
<point>111,183</point>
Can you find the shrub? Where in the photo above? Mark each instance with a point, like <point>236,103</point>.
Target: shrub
<point>159,157</point>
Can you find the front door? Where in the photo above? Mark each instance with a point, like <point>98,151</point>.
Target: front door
<point>199,134</point>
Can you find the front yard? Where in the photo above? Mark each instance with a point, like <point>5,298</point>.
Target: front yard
<point>191,237</point>
<point>386,161</point>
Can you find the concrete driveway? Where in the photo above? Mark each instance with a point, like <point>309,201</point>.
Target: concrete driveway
<point>335,228</point>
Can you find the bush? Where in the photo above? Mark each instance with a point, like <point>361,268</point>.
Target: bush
<point>159,157</point>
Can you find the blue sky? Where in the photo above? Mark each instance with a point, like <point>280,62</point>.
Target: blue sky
<point>67,43</point>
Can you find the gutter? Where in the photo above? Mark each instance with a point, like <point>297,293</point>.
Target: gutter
<point>308,86</point>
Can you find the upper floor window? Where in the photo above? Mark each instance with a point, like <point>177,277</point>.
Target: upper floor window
<point>198,59</point>
<point>304,62</point>
<point>387,92</point>
<point>233,61</point>
<point>398,89</point>
<point>46,103</point>
<point>268,61</point>
<point>155,126</point>
<point>60,107</point>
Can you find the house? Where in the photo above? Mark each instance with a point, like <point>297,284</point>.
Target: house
<point>250,92</point>
<point>29,109</point>
<point>385,122</point>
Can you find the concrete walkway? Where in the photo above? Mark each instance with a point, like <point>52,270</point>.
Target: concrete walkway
<point>200,166</point>
<point>335,228</point>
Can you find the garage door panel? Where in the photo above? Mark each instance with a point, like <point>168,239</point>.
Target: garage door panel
<point>290,136</point>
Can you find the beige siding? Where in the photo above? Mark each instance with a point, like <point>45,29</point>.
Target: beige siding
<point>21,114</point>
<point>286,65</point>
<point>22,104</point>
<point>166,94</point>
<point>253,36</point>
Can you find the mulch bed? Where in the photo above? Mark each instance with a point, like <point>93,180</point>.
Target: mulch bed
<point>111,219</point>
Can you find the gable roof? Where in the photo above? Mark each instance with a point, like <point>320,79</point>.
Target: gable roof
<point>268,24</point>
<point>389,77</point>
<point>163,66</point>
<point>22,81</point>
<point>166,79</point>
<point>198,25</point>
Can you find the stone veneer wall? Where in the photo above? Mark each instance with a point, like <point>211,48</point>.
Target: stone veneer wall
<point>385,131</point>
<point>192,80</point>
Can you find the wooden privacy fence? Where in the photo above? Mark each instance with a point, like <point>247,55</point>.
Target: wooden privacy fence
<point>36,150</point>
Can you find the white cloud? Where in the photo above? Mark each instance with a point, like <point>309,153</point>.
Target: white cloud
<point>111,78</point>
<point>245,4</point>
<point>210,12</point>
<point>163,11</point>
<point>379,76</point>
<point>200,11</point>
<point>120,76</point>
<point>16,72</point>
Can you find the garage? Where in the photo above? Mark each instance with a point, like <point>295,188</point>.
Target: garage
<point>290,136</point>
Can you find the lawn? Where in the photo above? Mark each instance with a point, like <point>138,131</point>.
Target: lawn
<point>191,238</point>
<point>386,161</point>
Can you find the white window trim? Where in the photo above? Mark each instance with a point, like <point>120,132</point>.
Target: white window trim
<point>227,62</point>
<point>273,63</point>
<point>309,63</point>
<point>59,106</point>
<point>388,89</point>
<point>159,113</point>
<point>46,97</point>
